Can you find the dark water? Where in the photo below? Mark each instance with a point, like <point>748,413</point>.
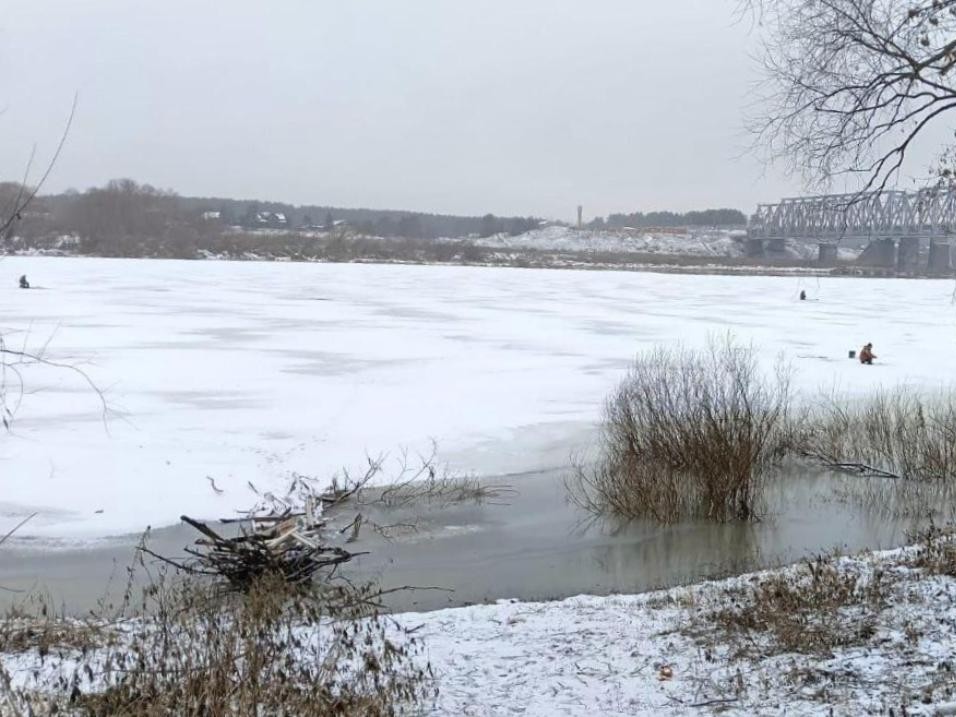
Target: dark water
<point>528,544</point>
<point>537,546</point>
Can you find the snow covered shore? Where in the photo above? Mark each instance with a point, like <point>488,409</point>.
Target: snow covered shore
<point>666,653</point>
<point>869,634</point>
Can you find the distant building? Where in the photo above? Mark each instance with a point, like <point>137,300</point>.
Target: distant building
<point>275,220</point>
<point>328,227</point>
<point>211,216</point>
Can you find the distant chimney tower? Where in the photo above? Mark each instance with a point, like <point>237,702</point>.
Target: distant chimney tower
<point>580,217</point>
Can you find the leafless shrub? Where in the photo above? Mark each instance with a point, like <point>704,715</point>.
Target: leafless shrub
<point>814,608</point>
<point>427,482</point>
<point>418,479</point>
<point>687,434</point>
<point>440,490</point>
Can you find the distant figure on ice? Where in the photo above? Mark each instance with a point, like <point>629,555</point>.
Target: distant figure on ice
<point>24,284</point>
<point>803,295</point>
<point>867,355</point>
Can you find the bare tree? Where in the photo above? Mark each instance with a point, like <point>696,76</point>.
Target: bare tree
<point>850,84</point>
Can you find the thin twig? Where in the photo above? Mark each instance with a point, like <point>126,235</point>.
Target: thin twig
<point>17,527</point>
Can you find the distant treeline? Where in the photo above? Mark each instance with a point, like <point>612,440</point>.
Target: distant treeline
<point>705,218</point>
<point>376,222</point>
<point>125,218</point>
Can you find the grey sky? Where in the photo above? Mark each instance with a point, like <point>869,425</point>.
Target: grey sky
<point>460,106</point>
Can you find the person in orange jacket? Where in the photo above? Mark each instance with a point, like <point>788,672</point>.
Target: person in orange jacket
<point>867,355</point>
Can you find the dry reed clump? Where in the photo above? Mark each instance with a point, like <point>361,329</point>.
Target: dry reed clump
<point>277,649</point>
<point>687,434</point>
<point>816,609</point>
<point>48,633</point>
<point>935,550</point>
<point>898,433</point>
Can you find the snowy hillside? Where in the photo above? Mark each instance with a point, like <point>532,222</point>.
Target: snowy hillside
<point>558,238</point>
<point>713,243</point>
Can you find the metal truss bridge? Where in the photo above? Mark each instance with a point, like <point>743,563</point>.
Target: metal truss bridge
<point>924,214</point>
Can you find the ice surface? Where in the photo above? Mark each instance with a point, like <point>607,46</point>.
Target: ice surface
<point>244,371</point>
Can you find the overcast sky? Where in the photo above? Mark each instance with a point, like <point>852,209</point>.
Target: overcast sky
<point>456,106</point>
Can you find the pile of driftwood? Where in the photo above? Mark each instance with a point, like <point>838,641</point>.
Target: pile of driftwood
<point>286,545</point>
<point>299,534</point>
<point>283,542</point>
<point>290,537</point>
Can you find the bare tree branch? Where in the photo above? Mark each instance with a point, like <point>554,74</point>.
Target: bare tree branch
<point>849,85</point>
<point>13,212</point>
<point>13,361</point>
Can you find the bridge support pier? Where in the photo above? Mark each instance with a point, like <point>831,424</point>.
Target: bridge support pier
<point>827,255</point>
<point>879,252</point>
<point>940,257</point>
<point>777,245</point>
<point>753,248</point>
<point>907,256</point>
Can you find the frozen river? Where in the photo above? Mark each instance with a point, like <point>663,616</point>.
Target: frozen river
<point>226,374</point>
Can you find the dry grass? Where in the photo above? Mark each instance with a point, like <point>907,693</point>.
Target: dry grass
<point>935,550</point>
<point>47,633</point>
<point>275,650</point>
<point>815,610</point>
<point>900,443</point>
<point>192,650</point>
<point>898,432</point>
<point>687,434</point>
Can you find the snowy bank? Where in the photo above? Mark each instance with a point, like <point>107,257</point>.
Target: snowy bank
<point>871,634</point>
<point>665,653</point>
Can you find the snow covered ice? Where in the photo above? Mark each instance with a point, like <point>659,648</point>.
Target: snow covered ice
<point>239,372</point>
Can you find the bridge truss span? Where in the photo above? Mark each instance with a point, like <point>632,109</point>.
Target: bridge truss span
<point>927,213</point>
